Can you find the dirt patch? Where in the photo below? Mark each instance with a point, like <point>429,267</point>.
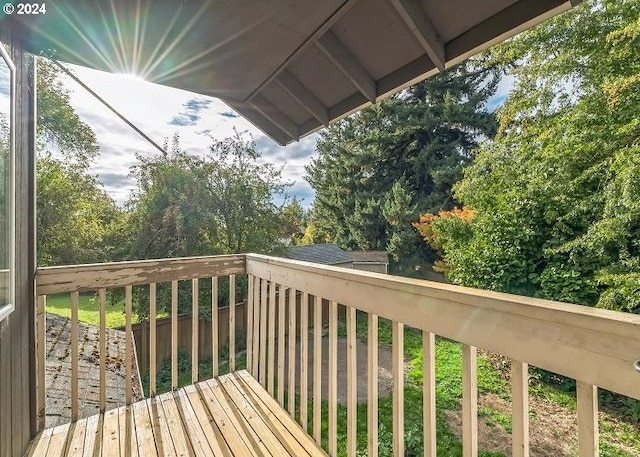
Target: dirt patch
<point>385,378</point>
<point>552,429</point>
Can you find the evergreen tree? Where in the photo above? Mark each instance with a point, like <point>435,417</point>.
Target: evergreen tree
<point>377,170</point>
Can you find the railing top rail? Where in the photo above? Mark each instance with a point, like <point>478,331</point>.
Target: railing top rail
<point>72,278</point>
<point>519,304</point>
<point>593,345</point>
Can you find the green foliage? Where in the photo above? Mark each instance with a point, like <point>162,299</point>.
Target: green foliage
<point>219,204</point>
<point>77,222</point>
<point>377,170</point>
<point>58,124</point>
<point>556,192</point>
<point>76,219</point>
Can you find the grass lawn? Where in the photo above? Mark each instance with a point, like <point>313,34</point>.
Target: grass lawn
<point>618,429</point>
<point>88,309</point>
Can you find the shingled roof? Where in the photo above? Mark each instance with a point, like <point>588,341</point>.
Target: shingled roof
<point>58,370</point>
<point>327,254</point>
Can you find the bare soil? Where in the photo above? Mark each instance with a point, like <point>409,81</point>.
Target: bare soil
<point>553,428</point>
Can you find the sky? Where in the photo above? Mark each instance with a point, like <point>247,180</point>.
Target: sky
<point>160,112</point>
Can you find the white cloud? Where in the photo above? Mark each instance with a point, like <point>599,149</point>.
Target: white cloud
<point>160,112</point>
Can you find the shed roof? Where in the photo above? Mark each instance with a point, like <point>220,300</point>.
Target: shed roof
<point>288,66</point>
<point>369,256</point>
<point>327,254</point>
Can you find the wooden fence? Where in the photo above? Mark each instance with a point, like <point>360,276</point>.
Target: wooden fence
<point>141,334</point>
<point>185,333</point>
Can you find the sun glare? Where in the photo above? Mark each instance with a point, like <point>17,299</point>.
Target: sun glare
<point>131,77</point>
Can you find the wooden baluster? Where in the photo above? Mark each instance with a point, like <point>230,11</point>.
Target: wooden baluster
<point>153,370</point>
<point>352,383</point>
<point>588,430</point>
<point>41,345</point>
<point>469,401</point>
<point>128,351</point>
<point>372,382</point>
<point>75,298</point>
<point>398,387</point>
<point>291,385</point>
<point>282,311</point>
<point>249,354</point>
<point>102,342</point>
<point>215,337</point>
<point>272,339</point>
<point>232,323</point>
<point>520,408</point>
<point>333,378</point>
<point>174,335</point>
<point>195,323</point>
<point>317,370</point>
<point>304,356</point>
<point>429,393</point>
<point>263,334</point>
<point>256,326</point>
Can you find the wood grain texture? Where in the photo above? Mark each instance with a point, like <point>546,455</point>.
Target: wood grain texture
<point>271,357</point>
<point>75,298</point>
<point>304,355</point>
<point>174,334</point>
<point>291,359</point>
<point>195,320</point>
<point>215,325</point>
<point>128,354</point>
<point>317,370</point>
<point>282,311</point>
<point>232,323</point>
<point>588,433</point>
<point>429,393</point>
<point>372,385</point>
<point>572,340</point>
<point>520,408</point>
<point>102,303</point>
<point>153,371</point>
<point>139,272</point>
<point>352,383</point>
<point>397,335</point>
<point>262,368</point>
<point>469,401</point>
<point>249,351</point>
<point>333,378</point>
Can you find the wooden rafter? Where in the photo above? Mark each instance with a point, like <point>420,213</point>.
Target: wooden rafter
<point>345,61</point>
<point>423,29</point>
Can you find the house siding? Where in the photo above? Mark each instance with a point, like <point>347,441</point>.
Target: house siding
<point>17,332</point>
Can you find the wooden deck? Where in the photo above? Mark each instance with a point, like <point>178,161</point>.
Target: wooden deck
<point>228,416</point>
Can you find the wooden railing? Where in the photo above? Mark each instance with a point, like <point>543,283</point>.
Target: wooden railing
<point>596,347</point>
<point>125,275</point>
<point>288,299</point>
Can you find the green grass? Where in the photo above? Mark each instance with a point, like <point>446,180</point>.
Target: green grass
<point>88,309</point>
<point>617,430</point>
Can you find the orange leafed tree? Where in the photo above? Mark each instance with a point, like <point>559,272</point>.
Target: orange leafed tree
<point>427,226</point>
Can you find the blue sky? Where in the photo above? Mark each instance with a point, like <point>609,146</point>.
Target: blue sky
<point>162,111</point>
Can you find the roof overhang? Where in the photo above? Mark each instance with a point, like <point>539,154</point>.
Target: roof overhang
<point>288,66</point>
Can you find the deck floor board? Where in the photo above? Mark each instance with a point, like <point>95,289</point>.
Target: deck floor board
<point>229,416</point>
